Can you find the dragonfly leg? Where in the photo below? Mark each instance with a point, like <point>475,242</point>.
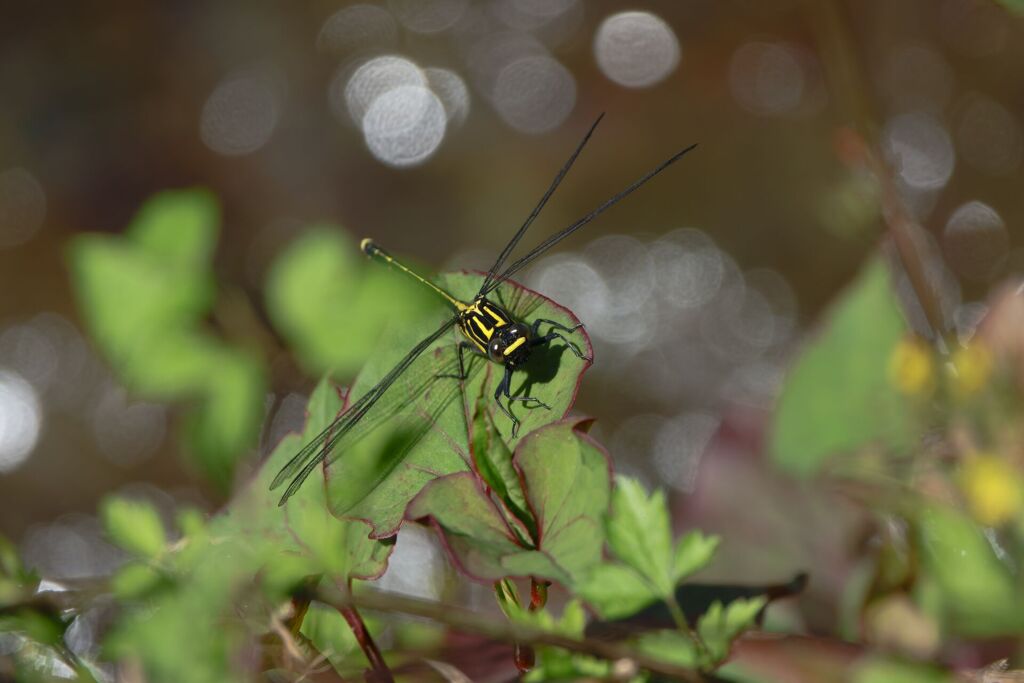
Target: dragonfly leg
<point>463,345</point>
<point>552,335</point>
<point>503,389</point>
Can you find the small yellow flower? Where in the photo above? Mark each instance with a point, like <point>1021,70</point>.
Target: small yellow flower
<point>912,367</point>
<point>992,488</point>
<point>971,369</point>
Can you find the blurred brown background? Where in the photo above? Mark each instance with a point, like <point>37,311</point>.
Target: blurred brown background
<point>695,289</point>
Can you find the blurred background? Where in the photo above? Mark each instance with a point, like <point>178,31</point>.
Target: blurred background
<point>434,126</point>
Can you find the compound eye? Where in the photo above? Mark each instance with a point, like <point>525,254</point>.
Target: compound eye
<point>495,349</point>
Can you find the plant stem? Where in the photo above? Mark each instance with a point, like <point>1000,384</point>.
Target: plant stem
<point>381,672</point>
<point>679,617</point>
<point>468,621</point>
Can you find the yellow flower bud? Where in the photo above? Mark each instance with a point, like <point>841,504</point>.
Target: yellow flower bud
<point>972,367</point>
<point>912,367</point>
<point>992,488</point>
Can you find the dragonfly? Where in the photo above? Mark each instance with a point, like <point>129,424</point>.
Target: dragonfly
<point>488,329</point>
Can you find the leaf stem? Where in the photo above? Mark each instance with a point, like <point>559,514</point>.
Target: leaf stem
<point>679,617</point>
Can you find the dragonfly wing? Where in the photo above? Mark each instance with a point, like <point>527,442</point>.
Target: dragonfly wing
<point>321,446</point>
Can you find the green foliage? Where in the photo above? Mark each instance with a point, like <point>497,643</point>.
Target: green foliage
<point>334,307</point>
<point>419,431</point>
<point>717,628</point>
<point>847,363</point>
<point>144,296</point>
<point>640,536</point>
<point>134,525</point>
<point>253,555</point>
<point>884,670</point>
<point>978,594</point>
<point>565,483</point>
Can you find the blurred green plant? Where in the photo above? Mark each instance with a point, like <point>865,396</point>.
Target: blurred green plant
<point>144,297</point>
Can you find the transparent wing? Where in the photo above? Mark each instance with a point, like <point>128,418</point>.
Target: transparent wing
<point>367,412</point>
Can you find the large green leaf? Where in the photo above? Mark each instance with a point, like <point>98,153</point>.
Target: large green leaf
<point>144,296</point>
<point>565,478</point>
<point>421,429</point>
<point>837,397</point>
<point>979,596</point>
<point>333,305</point>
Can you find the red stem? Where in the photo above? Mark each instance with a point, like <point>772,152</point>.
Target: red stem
<point>380,671</point>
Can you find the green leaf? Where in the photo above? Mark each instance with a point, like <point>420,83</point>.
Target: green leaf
<point>144,297</point>
<point>978,594</point>
<point>837,398</point>
<point>640,535</point>
<point>693,552</point>
<point>616,590</point>
<point>334,306</point>
<point>178,227</point>
<point>134,526</point>
<point>332,636</point>
<point>671,647</point>
<point>1014,6</point>
<point>565,477</point>
<point>719,626</point>
<point>420,431</point>
<point>134,581</point>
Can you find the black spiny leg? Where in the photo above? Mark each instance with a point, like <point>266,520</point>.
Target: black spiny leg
<point>462,376</point>
<point>540,341</point>
<point>503,389</point>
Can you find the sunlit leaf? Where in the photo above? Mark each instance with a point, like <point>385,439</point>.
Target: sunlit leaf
<point>335,306</point>
<point>640,535</point>
<point>837,397</point>
<point>565,477</point>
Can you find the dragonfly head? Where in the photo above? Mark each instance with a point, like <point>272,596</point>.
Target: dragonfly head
<point>510,345</point>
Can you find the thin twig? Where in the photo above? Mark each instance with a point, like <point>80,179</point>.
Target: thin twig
<point>851,91</point>
<point>468,621</point>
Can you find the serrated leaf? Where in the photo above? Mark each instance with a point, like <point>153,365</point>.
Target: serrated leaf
<point>420,430</point>
<point>616,590</point>
<point>837,397</point>
<point>721,625</point>
<point>334,306</point>
<point>565,477</point>
<point>693,552</point>
<point>640,535</point>
<point>134,526</point>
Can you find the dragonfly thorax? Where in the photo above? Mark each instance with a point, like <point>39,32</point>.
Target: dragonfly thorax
<point>495,334</point>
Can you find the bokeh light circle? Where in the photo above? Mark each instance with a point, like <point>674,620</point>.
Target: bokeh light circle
<point>636,49</point>
<point>21,417</point>
<point>975,241</point>
<point>375,78</point>
<point>428,16</point>
<point>453,93</point>
<point>405,126</point>
<point>357,27</point>
<point>920,150</point>
<point>240,114</point>
<point>534,94</point>
<point>767,78</point>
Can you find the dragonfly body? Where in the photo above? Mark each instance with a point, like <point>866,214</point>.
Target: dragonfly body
<point>488,329</point>
<point>492,332</point>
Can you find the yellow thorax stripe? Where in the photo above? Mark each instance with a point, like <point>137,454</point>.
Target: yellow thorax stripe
<point>514,345</point>
<point>487,331</point>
